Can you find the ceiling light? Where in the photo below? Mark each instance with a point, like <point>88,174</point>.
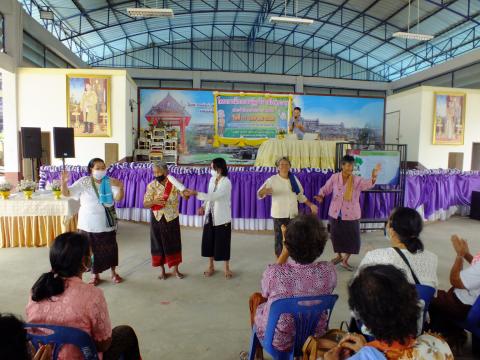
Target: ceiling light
<point>412,36</point>
<point>290,20</point>
<point>150,12</point>
<point>46,14</point>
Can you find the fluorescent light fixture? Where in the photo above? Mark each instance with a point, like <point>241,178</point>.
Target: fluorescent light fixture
<point>46,15</point>
<point>413,36</point>
<point>149,12</point>
<point>290,20</point>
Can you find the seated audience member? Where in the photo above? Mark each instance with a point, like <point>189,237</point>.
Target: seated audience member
<point>403,230</point>
<point>60,297</point>
<point>454,304</point>
<point>387,304</point>
<point>304,241</point>
<point>14,344</point>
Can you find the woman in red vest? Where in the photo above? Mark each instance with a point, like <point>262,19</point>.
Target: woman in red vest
<point>162,198</point>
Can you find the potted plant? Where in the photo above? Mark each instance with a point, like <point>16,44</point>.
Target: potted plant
<point>281,133</point>
<point>28,187</point>
<point>57,189</point>
<point>5,190</point>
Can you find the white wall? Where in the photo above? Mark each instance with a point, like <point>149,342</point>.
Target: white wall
<point>416,108</point>
<point>131,125</point>
<point>42,102</point>
<point>409,105</point>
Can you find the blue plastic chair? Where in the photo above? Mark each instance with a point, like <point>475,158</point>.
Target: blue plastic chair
<point>426,294</point>
<point>472,324</point>
<point>62,335</point>
<point>306,312</point>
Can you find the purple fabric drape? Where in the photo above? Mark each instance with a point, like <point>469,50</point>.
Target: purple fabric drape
<point>434,190</point>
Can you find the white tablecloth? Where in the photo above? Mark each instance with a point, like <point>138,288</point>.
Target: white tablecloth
<point>35,222</point>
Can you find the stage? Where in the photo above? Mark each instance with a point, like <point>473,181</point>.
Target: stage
<point>436,194</point>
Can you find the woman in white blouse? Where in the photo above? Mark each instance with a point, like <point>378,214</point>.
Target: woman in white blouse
<point>217,231</point>
<point>403,230</point>
<point>97,192</point>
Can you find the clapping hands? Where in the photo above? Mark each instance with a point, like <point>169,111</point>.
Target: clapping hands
<point>460,245</point>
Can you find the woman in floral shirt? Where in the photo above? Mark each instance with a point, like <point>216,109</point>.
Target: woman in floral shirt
<point>305,240</point>
<point>387,304</point>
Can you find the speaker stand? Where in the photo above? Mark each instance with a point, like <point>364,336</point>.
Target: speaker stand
<point>32,160</point>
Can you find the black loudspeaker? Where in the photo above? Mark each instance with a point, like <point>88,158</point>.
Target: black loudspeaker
<point>31,142</point>
<point>63,143</point>
<point>475,205</point>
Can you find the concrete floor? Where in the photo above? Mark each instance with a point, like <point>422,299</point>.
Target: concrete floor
<point>198,318</point>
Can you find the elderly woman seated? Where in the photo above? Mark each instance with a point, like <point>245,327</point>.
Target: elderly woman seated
<point>387,304</point>
<point>304,241</point>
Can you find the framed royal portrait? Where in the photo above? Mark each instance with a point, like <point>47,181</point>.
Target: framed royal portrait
<point>88,105</point>
<point>449,118</point>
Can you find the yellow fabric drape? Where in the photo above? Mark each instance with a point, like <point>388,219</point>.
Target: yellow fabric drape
<point>302,153</point>
<point>241,142</point>
<point>33,231</point>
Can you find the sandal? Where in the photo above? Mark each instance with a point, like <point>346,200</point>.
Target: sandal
<point>228,275</point>
<point>94,281</point>
<point>209,272</point>
<point>163,276</point>
<point>347,267</point>
<point>179,275</point>
<point>336,260</point>
<point>117,279</point>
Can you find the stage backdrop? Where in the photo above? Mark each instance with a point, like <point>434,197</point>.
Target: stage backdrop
<point>341,118</point>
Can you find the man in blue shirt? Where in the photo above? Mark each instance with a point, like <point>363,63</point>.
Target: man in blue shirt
<point>296,124</point>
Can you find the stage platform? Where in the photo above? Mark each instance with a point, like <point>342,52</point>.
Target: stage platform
<point>436,194</point>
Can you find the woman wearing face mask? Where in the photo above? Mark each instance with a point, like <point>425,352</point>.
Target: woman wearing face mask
<point>403,231</point>
<point>162,198</point>
<point>345,213</point>
<point>60,297</point>
<point>97,192</point>
<point>217,230</point>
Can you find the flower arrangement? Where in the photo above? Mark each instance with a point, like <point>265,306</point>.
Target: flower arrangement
<point>56,185</point>
<point>281,132</point>
<point>57,189</point>
<point>27,185</point>
<point>5,186</point>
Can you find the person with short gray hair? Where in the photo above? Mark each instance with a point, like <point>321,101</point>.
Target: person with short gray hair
<point>162,198</point>
<point>286,192</point>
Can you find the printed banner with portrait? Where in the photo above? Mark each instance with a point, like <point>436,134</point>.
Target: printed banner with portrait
<point>449,119</point>
<point>88,105</point>
<point>249,118</point>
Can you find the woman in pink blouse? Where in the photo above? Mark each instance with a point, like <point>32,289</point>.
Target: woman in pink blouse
<point>344,213</point>
<point>305,239</point>
<point>60,297</point>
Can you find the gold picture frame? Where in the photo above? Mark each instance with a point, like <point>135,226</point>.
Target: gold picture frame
<point>88,105</point>
<point>449,118</point>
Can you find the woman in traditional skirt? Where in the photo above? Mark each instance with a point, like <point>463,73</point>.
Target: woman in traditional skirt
<point>96,193</point>
<point>162,198</point>
<point>345,213</point>
<point>217,231</point>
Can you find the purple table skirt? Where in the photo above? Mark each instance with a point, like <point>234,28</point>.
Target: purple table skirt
<point>433,190</point>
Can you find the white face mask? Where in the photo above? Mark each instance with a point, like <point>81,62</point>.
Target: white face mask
<point>99,174</point>
<point>214,173</point>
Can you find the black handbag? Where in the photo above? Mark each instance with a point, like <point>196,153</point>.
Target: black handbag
<point>110,212</point>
